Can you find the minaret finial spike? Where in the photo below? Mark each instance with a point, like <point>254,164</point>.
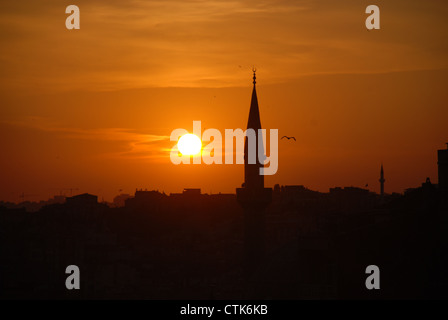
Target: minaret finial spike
<point>255,77</point>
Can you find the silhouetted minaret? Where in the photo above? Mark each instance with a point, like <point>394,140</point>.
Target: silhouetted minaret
<point>252,177</point>
<point>253,196</point>
<point>382,180</point>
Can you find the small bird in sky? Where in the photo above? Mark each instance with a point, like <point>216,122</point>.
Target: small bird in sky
<point>289,138</point>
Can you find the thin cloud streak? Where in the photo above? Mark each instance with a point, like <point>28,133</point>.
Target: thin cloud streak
<point>136,145</point>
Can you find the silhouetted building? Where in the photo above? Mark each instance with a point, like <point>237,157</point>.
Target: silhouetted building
<point>351,199</point>
<point>253,196</point>
<point>442,157</point>
<point>187,193</point>
<point>192,192</point>
<point>57,199</point>
<point>144,199</point>
<point>84,199</point>
<point>120,200</point>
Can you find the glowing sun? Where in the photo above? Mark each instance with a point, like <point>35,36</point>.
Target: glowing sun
<point>189,144</point>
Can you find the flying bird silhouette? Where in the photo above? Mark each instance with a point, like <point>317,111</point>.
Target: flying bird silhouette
<point>289,138</point>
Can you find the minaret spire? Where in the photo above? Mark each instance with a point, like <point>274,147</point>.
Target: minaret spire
<point>382,180</point>
<point>255,77</point>
<point>252,177</point>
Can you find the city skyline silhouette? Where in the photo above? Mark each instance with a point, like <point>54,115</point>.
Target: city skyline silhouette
<point>251,172</point>
<point>189,176</point>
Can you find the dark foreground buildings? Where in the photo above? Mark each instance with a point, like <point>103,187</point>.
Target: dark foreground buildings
<point>288,243</point>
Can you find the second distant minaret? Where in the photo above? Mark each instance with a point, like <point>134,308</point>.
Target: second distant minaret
<point>382,180</point>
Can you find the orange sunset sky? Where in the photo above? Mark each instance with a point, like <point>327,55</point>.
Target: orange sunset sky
<point>93,109</point>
